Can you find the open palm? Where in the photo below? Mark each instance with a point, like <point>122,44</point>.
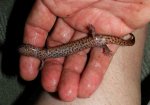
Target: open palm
<point>77,75</point>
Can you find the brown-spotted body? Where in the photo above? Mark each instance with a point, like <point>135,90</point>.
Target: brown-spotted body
<point>95,40</point>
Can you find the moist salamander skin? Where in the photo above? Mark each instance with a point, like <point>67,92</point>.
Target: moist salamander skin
<point>94,40</point>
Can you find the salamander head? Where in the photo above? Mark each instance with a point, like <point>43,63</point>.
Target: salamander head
<point>28,50</point>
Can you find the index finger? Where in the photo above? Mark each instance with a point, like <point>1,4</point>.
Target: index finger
<point>37,26</point>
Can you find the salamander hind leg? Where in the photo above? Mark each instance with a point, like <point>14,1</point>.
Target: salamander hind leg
<point>91,29</point>
<point>106,50</point>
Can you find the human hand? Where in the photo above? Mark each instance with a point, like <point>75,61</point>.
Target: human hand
<point>64,74</point>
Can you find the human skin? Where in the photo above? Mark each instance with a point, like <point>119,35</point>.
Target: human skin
<point>121,83</point>
<point>64,74</point>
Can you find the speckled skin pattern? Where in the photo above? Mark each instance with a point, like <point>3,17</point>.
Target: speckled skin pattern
<point>94,40</point>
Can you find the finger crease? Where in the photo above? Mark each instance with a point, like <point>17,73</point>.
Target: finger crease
<point>75,71</point>
<point>35,26</point>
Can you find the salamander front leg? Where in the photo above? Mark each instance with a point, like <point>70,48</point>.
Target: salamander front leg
<point>42,64</point>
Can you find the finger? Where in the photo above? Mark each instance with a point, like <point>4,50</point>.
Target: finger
<point>136,11</point>
<point>93,74</point>
<point>104,22</point>
<point>74,64</point>
<point>53,66</point>
<point>67,8</point>
<point>37,26</point>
